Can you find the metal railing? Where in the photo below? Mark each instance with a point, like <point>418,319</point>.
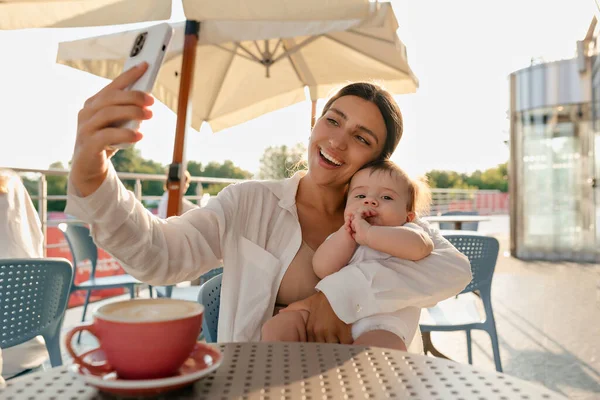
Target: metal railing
<point>482,201</point>
<point>443,200</point>
<point>42,196</point>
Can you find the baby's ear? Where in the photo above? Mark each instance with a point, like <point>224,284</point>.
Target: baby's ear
<point>410,217</point>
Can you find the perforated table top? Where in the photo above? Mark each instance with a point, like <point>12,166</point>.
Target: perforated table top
<point>309,371</point>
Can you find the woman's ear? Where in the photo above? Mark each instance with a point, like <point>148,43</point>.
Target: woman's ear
<point>410,217</point>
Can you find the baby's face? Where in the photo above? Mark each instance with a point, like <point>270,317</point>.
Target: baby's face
<point>382,192</point>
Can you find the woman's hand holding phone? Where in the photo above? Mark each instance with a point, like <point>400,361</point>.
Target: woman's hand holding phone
<point>98,127</point>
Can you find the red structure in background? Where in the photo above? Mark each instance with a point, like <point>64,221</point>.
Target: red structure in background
<point>107,265</point>
<point>484,203</point>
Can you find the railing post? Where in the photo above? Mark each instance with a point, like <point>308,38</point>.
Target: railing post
<point>199,192</point>
<point>138,189</point>
<point>43,207</point>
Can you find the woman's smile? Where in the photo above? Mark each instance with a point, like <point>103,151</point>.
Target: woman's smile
<point>330,159</point>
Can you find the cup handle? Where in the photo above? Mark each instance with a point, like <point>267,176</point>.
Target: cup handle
<point>97,369</point>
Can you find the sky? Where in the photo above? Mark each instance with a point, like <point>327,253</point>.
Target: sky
<point>461,51</point>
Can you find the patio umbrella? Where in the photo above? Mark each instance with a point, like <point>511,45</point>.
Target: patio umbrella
<point>246,68</point>
<point>22,14</point>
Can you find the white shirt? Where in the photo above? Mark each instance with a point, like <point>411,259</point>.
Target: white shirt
<point>20,237</point>
<point>20,228</point>
<point>253,227</point>
<point>186,205</point>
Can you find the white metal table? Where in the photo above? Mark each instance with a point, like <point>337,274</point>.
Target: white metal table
<point>458,220</point>
<point>309,371</point>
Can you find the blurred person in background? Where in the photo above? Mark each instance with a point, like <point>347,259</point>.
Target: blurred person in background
<point>20,237</point>
<point>186,205</point>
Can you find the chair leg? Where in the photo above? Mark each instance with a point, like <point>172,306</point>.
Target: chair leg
<point>490,325</point>
<point>132,291</point>
<point>53,347</point>
<point>429,347</point>
<point>495,346</point>
<point>85,306</point>
<point>469,347</point>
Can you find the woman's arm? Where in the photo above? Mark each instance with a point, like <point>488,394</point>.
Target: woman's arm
<point>369,288</point>
<point>334,253</point>
<point>153,250</point>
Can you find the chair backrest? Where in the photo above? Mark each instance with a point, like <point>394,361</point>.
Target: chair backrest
<point>210,297</point>
<point>482,252</point>
<point>212,273</point>
<point>81,244</point>
<point>466,226</point>
<point>33,300</point>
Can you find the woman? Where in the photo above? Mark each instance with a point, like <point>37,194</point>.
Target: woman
<point>264,232</point>
<point>20,237</point>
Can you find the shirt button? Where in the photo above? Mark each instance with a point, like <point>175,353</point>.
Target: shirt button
<point>358,308</point>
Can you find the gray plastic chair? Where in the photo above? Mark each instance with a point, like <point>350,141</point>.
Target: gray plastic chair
<point>82,248</point>
<point>466,226</point>
<point>167,291</point>
<point>461,313</point>
<point>33,299</point>
<point>210,298</point>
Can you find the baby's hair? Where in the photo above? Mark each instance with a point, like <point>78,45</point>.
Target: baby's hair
<point>419,193</point>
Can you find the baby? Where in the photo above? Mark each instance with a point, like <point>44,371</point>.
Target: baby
<point>382,203</point>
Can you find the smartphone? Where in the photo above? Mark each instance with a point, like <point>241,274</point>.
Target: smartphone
<point>150,45</point>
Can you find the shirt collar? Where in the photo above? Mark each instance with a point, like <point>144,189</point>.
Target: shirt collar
<point>286,189</point>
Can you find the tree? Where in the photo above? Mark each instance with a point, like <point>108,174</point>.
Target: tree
<point>151,188</point>
<point>56,185</point>
<point>130,160</point>
<point>127,160</point>
<point>281,162</point>
<point>490,179</point>
<point>447,179</point>
<point>215,170</point>
<point>226,170</point>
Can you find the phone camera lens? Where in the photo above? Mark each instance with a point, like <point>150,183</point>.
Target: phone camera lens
<point>138,44</point>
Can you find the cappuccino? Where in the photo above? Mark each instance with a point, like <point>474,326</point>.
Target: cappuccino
<point>149,310</point>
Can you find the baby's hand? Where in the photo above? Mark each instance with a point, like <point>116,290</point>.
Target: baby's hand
<point>361,227</point>
<point>364,212</point>
<point>346,229</point>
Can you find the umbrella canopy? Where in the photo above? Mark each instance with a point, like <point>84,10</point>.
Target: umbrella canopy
<point>274,10</point>
<point>22,14</point>
<point>245,69</point>
<point>237,63</point>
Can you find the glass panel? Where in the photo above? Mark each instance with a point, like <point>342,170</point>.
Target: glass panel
<point>551,184</point>
<point>597,183</point>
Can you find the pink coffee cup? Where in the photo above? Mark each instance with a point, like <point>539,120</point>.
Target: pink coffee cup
<point>142,338</point>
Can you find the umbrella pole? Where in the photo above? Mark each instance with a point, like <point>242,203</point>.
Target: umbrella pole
<point>313,114</point>
<point>177,167</point>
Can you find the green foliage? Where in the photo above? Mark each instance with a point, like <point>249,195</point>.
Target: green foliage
<point>214,188</point>
<point>215,170</point>
<point>490,179</point>
<point>56,185</point>
<point>225,170</point>
<point>130,160</point>
<point>281,162</point>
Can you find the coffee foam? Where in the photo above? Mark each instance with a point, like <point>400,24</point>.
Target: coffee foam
<point>149,310</point>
